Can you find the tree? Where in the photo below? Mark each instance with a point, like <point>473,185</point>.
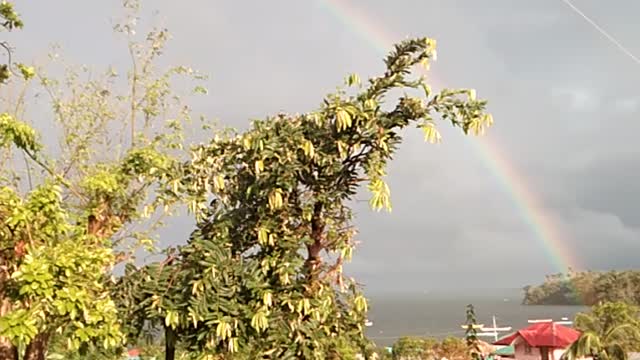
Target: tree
<point>452,348</point>
<point>616,286</point>
<point>71,209</point>
<point>473,344</point>
<point>10,20</point>
<point>586,288</point>
<point>149,298</point>
<point>409,347</point>
<point>264,265</point>
<point>609,332</point>
<point>58,281</point>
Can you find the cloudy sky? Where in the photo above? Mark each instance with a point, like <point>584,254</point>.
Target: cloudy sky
<point>565,101</point>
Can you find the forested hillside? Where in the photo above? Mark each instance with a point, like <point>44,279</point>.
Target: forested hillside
<point>585,288</point>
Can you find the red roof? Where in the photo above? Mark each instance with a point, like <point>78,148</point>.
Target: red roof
<point>133,352</point>
<point>544,334</point>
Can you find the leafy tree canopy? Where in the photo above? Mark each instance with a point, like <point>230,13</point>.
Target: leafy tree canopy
<point>419,348</point>
<point>263,270</point>
<point>609,332</point>
<point>75,205</point>
<point>586,288</point>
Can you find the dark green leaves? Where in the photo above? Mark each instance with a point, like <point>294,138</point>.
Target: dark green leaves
<point>258,280</point>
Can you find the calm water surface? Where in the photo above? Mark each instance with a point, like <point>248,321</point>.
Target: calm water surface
<point>440,315</point>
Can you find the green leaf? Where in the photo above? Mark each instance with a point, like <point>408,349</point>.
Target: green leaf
<point>200,90</point>
<point>27,72</point>
<point>343,120</point>
<point>431,134</point>
<point>353,79</point>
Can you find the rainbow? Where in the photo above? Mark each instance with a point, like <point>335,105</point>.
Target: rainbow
<point>524,199</point>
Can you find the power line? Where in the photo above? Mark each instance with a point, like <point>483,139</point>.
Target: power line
<point>602,31</point>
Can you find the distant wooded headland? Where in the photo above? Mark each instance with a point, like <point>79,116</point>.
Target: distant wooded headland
<point>585,288</point>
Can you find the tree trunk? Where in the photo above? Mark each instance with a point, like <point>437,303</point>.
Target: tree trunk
<point>37,348</point>
<point>169,344</point>
<point>7,350</point>
<point>314,260</point>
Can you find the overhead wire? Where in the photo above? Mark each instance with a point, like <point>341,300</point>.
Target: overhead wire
<point>602,31</point>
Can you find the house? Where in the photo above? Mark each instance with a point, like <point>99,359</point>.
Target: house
<point>486,349</point>
<point>504,352</point>
<point>133,354</point>
<point>540,341</point>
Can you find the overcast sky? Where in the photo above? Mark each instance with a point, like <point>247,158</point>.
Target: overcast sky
<point>565,101</point>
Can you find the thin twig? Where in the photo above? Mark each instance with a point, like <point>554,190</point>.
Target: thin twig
<point>26,163</point>
<point>134,79</point>
<point>20,100</point>
<point>8,50</point>
<point>52,173</point>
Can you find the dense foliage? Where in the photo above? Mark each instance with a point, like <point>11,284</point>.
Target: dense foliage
<point>149,299</point>
<point>609,331</point>
<point>417,348</point>
<point>261,276</point>
<point>76,202</point>
<point>586,288</point>
<point>265,264</point>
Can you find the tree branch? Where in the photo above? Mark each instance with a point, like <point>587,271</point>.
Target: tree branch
<point>52,173</point>
<point>134,80</point>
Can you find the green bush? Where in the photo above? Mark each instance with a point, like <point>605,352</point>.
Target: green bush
<point>414,347</point>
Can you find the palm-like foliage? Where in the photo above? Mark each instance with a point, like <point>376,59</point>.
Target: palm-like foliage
<point>609,332</point>
<point>591,344</point>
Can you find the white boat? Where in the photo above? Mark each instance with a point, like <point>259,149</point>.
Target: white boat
<point>536,321</point>
<point>488,334</point>
<point>495,329</point>
<point>564,321</point>
<point>476,326</point>
<point>368,323</point>
<point>500,329</point>
<point>490,331</point>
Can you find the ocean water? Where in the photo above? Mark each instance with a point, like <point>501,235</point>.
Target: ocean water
<point>441,314</point>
